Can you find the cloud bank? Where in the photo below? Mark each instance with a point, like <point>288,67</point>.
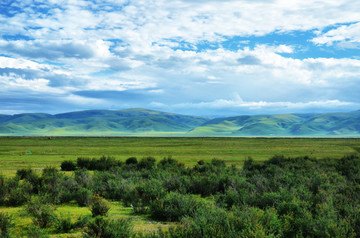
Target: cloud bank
<point>204,57</point>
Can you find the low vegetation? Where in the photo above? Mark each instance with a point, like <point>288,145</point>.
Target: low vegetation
<point>280,197</point>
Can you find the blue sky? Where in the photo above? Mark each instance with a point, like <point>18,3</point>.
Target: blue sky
<point>212,58</point>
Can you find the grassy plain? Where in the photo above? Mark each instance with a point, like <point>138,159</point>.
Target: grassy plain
<point>39,152</point>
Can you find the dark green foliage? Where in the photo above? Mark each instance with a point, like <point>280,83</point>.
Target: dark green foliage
<point>24,173</point>
<point>42,212</point>
<point>63,223</point>
<point>83,196</point>
<point>143,194</point>
<point>102,164</point>
<point>6,223</point>
<point>83,178</point>
<point>19,191</point>
<point>218,163</point>
<point>98,206</point>
<point>349,167</point>
<point>83,163</point>
<point>54,185</point>
<point>68,165</point>
<point>107,228</point>
<point>206,222</point>
<point>82,221</point>
<point>174,206</point>
<point>131,160</point>
<point>35,232</point>
<point>168,162</point>
<point>3,189</point>
<point>146,163</point>
<point>281,197</point>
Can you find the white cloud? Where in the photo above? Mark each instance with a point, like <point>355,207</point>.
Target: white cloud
<point>132,45</point>
<point>235,104</point>
<point>347,36</point>
<point>13,82</point>
<point>6,62</point>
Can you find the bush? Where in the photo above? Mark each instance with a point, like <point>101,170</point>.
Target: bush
<point>63,223</point>
<point>83,178</point>
<point>52,184</point>
<point>24,173</point>
<point>102,164</point>
<point>35,232</point>
<point>146,163</point>
<point>174,206</point>
<point>42,212</point>
<point>98,206</point>
<point>83,163</point>
<point>207,222</point>
<point>18,193</point>
<point>83,196</point>
<point>143,194</point>
<point>82,221</point>
<point>102,227</point>
<point>3,189</point>
<point>5,225</point>
<point>68,165</point>
<point>168,163</point>
<point>131,161</point>
<point>218,163</point>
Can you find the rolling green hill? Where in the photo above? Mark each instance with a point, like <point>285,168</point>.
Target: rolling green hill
<point>140,121</point>
<point>315,124</point>
<point>98,122</point>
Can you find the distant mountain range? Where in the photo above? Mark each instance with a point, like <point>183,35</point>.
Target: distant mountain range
<point>142,122</point>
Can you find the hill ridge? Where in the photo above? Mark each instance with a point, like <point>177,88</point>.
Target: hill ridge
<point>139,121</point>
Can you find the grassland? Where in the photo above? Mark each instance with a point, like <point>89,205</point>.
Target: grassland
<point>39,152</point>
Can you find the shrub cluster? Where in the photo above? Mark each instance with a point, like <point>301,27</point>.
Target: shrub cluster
<point>281,197</point>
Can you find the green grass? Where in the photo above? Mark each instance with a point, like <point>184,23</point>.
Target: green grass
<point>14,155</point>
<point>142,224</point>
<point>14,151</point>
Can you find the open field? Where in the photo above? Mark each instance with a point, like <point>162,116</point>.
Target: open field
<point>39,152</point>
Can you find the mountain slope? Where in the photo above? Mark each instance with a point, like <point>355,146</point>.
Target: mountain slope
<point>315,124</point>
<point>140,121</point>
<point>98,122</point>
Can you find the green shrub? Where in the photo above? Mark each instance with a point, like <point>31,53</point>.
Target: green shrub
<point>143,194</point>
<point>82,177</point>
<point>168,162</point>
<point>98,206</point>
<point>19,193</point>
<point>82,221</point>
<point>63,223</point>
<point>24,173</point>
<point>68,165</point>
<point>131,161</point>
<point>174,206</point>
<point>218,163</point>
<point>106,228</point>
<point>3,189</point>
<point>102,164</point>
<point>5,225</point>
<point>146,163</point>
<point>206,222</point>
<point>83,196</point>
<point>42,212</point>
<point>35,232</point>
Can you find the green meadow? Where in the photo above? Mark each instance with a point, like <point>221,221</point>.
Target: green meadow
<point>39,152</point>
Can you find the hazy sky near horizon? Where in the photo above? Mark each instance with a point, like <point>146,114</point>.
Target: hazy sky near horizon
<point>214,57</point>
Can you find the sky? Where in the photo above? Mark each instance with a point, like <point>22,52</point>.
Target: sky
<point>196,57</point>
